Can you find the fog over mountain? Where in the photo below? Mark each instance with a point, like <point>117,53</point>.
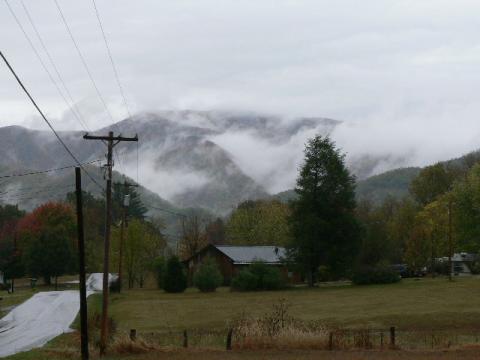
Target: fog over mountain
<point>208,159</point>
<point>399,76</point>
<point>214,159</point>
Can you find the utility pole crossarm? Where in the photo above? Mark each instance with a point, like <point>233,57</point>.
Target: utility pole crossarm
<point>110,138</point>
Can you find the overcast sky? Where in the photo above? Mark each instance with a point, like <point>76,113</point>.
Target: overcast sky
<point>403,75</point>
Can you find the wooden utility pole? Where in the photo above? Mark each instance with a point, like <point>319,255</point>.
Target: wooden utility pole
<point>123,226</point>
<point>120,255</point>
<point>111,141</point>
<point>81,263</point>
<point>450,244</point>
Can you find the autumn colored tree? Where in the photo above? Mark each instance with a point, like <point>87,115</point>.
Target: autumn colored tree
<point>47,236</point>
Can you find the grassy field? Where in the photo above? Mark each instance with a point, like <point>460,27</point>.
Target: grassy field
<point>419,305</point>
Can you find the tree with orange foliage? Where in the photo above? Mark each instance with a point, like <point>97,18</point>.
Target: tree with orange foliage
<point>47,236</point>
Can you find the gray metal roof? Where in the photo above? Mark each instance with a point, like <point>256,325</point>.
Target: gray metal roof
<point>249,254</point>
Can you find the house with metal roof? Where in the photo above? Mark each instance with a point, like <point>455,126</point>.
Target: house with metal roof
<point>231,259</point>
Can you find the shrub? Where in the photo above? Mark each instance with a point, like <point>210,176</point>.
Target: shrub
<point>475,268</point>
<point>259,276</point>
<point>272,280</point>
<point>208,276</point>
<point>115,285</point>
<point>175,279</point>
<point>159,269</point>
<point>323,273</point>
<point>268,277</point>
<point>245,281</point>
<point>378,274</point>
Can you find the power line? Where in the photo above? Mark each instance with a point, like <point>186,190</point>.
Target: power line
<point>74,107</point>
<point>115,72</point>
<point>165,210</point>
<point>87,69</point>
<point>29,40</point>
<point>46,120</point>
<point>48,170</point>
<point>26,190</point>
<point>48,190</point>
<point>31,197</point>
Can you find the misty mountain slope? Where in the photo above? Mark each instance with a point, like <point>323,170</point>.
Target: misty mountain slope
<point>221,184</point>
<point>209,159</point>
<point>394,183</point>
<point>376,188</point>
<point>192,157</point>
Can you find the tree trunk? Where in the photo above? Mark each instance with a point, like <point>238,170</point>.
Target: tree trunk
<point>311,277</point>
<point>47,280</point>
<point>13,285</point>
<point>56,283</point>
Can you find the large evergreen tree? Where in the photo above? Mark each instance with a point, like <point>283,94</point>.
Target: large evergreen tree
<point>136,209</point>
<point>324,228</point>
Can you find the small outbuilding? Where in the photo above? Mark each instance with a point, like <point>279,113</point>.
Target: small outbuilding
<point>231,259</point>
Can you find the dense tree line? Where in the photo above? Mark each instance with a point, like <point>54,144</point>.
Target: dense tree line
<point>43,243</point>
<point>329,235</point>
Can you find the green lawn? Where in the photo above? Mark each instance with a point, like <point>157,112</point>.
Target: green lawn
<point>412,304</point>
<point>426,303</point>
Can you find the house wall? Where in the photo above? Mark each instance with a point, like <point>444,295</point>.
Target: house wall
<point>224,263</point>
<point>230,270</point>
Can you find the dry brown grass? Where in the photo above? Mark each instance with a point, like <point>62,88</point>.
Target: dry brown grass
<point>188,354</point>
<point>124,345</point>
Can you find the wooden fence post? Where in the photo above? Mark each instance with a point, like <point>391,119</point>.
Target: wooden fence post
<point>133,334</point>
<point>229,339</point>
<point>381,340</point>
<point>392,337</point>
<point>185,339</point>
<point>330,341</point>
